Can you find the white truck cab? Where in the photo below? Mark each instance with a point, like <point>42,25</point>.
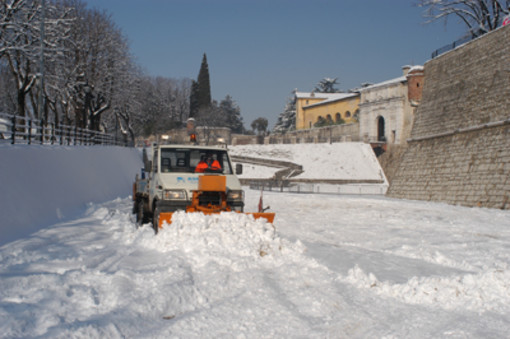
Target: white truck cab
<point>172,174</point>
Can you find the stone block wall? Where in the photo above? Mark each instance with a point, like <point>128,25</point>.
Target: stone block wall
<point>468,86</point>
<point>459,151</point>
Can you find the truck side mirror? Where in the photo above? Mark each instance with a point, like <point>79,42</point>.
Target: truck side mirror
<point>239,168</point>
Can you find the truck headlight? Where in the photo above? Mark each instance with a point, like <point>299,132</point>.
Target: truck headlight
<point>174,195</point>
<point>235,195</point>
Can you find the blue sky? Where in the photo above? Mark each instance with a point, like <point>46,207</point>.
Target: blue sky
<point>259,51</point>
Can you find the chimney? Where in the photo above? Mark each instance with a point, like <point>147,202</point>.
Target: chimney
<point>405,69</point>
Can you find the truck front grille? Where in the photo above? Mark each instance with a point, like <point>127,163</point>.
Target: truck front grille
<point>210,198</point>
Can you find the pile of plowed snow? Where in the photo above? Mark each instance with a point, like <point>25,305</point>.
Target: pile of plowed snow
<point>226,235</point>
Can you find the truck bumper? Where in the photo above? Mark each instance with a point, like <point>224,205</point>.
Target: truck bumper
<point>172,206</point>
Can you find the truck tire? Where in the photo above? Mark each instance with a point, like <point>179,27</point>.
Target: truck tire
<point>140,215</point>
<point>135,207</point>
<point>155,219</point>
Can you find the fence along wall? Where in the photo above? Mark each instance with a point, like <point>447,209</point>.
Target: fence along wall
<point>333,133</point>
<point>24,130</point>
<point>459,151</point>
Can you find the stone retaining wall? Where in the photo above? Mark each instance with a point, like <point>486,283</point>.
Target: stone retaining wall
<point>459,151</point>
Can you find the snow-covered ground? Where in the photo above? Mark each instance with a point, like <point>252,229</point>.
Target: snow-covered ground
<point>332,266</point>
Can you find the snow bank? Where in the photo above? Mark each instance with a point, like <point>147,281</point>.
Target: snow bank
<point>224,235</point>
<point>485,291</point>
<point>41,185</point>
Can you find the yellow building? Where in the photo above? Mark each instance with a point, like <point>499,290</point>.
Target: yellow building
<point>330,108</point>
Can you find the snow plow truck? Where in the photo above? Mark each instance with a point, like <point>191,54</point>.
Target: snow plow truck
<point>190,178</point>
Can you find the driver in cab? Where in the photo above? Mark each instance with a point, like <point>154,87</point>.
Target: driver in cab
<point>208,163</point>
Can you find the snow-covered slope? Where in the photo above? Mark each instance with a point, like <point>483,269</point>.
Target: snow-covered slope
<point>344,161</point>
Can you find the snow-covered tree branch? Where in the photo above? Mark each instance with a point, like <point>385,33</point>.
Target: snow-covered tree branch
<point>480,16</point>
<point>72,64</point>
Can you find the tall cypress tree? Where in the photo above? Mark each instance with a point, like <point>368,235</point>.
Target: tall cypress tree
<point>200,96</point>
<point>204,85</point>
<point>193,99</point>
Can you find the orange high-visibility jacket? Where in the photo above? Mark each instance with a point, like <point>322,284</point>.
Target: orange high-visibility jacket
<point>202,166</point>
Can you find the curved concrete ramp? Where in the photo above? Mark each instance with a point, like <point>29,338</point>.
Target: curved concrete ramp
<point>309,165</point>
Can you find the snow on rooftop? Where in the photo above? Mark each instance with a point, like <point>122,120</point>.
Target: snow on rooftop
<point>327,96</point>
<point>392,81</point>
<point>384,83</point>
<point>416,68</point>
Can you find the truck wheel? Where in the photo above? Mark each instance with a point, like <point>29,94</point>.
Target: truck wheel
<point>135,207</point>
<point>155,219</point>
<point>140,217</point>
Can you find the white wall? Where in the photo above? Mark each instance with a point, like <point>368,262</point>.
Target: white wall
<point>41,185</point>
<point>388,101</point>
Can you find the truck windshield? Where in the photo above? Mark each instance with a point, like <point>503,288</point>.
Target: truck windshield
<point>187,160</point>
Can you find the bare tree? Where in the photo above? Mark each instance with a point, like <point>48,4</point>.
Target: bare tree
<point>21,46</point>
<point>26,41</point>
<point>127,104</point>
<point>480,16</point>
<point>90,79</point>
<point>9,24</point>
<point>101,55</point>
<point>7,92</point>
<point>164,104</point>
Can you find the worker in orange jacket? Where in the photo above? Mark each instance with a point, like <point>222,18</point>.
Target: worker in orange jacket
<point>208,163</point>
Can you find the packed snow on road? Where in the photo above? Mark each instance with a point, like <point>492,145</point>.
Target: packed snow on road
<point>330,266</point>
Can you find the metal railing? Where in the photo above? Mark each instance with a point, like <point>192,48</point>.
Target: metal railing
<point>319,188</point>
<point>16,129</point>
<point>453,45</point>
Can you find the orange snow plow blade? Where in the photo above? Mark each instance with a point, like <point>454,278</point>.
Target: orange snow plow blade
<point>167,216</point>
<point>268,216</point>
<point>211,183</point>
